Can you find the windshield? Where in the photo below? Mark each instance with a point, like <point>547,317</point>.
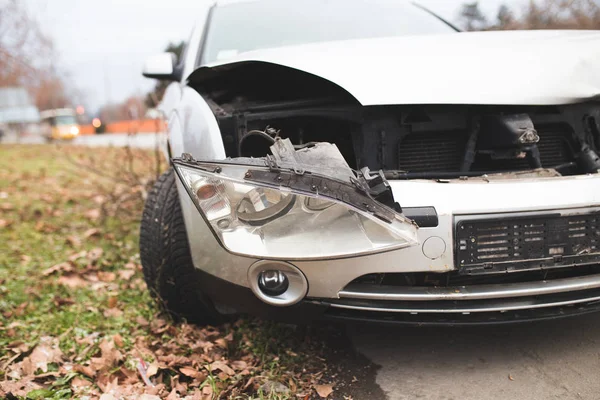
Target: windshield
<point>65,120</point>
<point>246,26</point>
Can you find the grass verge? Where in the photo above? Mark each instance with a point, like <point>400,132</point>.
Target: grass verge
<point>76,320</point>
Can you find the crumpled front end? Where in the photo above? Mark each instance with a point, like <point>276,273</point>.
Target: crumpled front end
<point>301,227</point>
<point>434,206</point>
<point>297,206</point>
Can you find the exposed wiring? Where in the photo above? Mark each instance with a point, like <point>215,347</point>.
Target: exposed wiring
<point>262,134</point>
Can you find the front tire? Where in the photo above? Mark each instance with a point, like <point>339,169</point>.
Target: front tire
<point>166,259</point>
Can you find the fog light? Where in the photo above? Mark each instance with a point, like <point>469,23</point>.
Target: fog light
<point>273,283</point>
<point>277,283</point>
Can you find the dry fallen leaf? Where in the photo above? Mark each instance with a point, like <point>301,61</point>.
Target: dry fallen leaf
<point>118,339</point>
<point>221,366</point>
<point>107,276</point>
<point>92,214</point>
<point>85,370</point>
<point>112,313</point>
<point>65,267</point>
<point>78,382</point>
<point>109,356</point>
<point>152,369</point>
<point>98,199</point>
<point>112,301</point>
<point>46,352</point>
<point>131,265</point>
<point>73,281</point>
<point>91,233</point>
<point>149,397</point>
<point>324,390</point>
<point>191,372</point>
<point>62,301</point>
<point>74,241</point>
<point>6,206</point>
<point>77,256</point>
<point>126,274</point>
<point>207,392</point>
<point>95,254</point>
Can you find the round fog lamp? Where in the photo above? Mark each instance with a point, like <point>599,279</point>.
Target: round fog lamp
<point>273,283</point>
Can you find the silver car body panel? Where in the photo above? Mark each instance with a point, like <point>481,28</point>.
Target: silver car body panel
<point>516,68</point>
<point>327,278</point>
<point>508,68</point>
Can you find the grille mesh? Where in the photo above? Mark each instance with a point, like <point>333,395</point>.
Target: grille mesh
<point>528,242</point>
<point>444,151</point>
<point>433,151</point>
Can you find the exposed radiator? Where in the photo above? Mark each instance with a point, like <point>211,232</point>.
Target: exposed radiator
<point>444,151</point>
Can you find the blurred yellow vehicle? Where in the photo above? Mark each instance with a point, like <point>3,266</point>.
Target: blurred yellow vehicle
<point>59,124</point>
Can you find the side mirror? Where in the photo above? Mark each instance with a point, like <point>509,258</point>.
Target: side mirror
<point>162,67</point>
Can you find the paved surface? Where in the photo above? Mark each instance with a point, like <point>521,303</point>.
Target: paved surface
<point>548,360</point>
<point>141,140</point>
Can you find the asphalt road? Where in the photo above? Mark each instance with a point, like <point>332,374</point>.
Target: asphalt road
<point>548,360</point>
<point>141,140</point>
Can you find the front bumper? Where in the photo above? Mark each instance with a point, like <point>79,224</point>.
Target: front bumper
<point>334,292</point>
<point>229,296</point>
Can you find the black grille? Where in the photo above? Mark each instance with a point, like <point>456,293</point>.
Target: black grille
<point>526,243</point>
<point>555,144</point>
<point>454,278</point>
<point>444,151</point>
<point>433,151</point>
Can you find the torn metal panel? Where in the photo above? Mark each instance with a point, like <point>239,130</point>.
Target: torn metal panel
<point>324,156</point>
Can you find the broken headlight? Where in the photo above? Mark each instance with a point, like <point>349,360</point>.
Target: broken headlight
<point>268,221</point>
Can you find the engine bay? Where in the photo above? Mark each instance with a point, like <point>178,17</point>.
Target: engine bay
<point>257,105</point>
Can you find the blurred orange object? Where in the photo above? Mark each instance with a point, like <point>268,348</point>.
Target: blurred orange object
<point>141,126</point>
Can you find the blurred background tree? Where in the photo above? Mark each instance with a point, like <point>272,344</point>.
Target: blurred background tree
<point>134,107</point>
<point>28,59</point>
<point>537,14</point>
<point>472,18</point>
<point>155,96</point>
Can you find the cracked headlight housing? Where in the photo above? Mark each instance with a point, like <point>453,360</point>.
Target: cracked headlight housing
<point>265,221</point>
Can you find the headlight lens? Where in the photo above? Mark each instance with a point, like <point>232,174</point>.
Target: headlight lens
<point>262,205</point>
<point>268,222</point>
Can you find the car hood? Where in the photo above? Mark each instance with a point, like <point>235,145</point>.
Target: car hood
<point>517,67</point>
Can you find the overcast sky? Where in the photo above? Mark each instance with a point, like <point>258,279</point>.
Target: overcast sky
<point>103,43</point>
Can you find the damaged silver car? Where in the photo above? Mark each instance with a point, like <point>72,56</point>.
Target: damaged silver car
<point>365,160</point>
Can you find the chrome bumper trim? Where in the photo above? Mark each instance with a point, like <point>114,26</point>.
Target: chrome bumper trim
<point>458,308</point>
<point>481,292</point>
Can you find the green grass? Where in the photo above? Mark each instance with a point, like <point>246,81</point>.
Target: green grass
<point>50,200</point>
